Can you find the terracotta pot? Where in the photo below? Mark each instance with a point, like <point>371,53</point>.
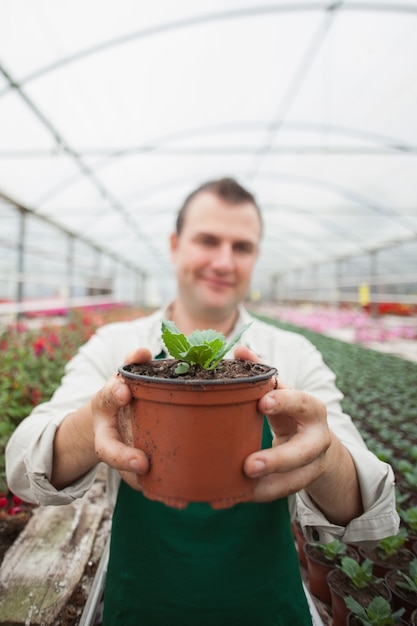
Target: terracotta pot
<point>299,541</point>
<point>318,567</point>
<point>197,435</point>
<point>341,587</point>
<point>401,598</point>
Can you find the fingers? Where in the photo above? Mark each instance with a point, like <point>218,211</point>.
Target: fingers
<point>301,439</point>
<point>108,443</point>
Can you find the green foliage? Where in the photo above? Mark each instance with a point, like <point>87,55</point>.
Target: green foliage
<point>332,550</point>
<point>378,613</point>
<point>410,578</point>
<point>409,517</point>
<point>205,348</point>
<point>33,357</point>
<point>380,394</point>
<point>359,574</point>
<point>390,545</point>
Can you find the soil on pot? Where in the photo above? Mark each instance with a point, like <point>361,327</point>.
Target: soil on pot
<point>226,369</point>
<point>364,596</point>
<point>318,555</point>
<point>383,563</point>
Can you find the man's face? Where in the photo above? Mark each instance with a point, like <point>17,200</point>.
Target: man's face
<point>215,254</point>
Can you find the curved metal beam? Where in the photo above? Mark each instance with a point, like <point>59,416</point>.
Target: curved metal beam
<point>290,7</point>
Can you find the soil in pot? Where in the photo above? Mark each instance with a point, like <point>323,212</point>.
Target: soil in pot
<point>413,618</point>
<point>401,597</point>
<point>318,567</point>
<point>383,563</point>
<point>196,428</point>
<point>341,586</point>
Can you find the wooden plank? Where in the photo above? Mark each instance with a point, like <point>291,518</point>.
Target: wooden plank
<point>44,565</point>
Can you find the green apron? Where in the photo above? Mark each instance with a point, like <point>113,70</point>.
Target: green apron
<point>200,567</point>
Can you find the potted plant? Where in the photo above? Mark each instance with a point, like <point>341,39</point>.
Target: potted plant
<point>389,553</point>
<point>321,558</point>
<point>354,579</point>
<point>195,415</point>
<point>409,518</point>
<point>403,587</point>
<point>378,613</point>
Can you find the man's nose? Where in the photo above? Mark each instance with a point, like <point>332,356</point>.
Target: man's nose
<point>224,258</point>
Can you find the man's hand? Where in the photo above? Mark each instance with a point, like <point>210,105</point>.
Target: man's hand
<point>304,454</point>
<point>91,434</point>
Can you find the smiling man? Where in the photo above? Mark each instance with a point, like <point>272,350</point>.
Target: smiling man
<point>214,250</point>
<point>199,567</point>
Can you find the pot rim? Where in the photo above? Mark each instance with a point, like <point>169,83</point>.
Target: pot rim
<point>269,373</point>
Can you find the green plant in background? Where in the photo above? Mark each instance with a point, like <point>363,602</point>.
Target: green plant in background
<point>363,376</point>
<point>33,359</point>
<point>391,545</point>
<point>409,517</point>
<point>378,613</point>
<point>360,575</point>
<point>205,348</point>
<point>410,577</point>
<point>332,550</point>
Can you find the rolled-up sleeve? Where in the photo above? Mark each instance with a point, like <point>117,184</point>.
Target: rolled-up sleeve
<point>380,518</point>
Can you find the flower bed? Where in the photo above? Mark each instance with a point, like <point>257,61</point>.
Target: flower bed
<point>381,397</point>
<point>32,359</point>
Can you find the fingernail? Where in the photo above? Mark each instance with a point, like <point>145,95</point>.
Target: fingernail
<point>268,402</point>
<point>258,468</point>
<point>134,465</point>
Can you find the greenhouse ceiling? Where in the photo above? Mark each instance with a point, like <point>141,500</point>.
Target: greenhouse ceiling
<point>111,112</point>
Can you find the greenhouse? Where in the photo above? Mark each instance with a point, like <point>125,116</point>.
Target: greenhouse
<point>111,114</point>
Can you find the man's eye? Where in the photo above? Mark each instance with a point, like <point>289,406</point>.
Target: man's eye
<point>208,242</point>
<point>246,248</point>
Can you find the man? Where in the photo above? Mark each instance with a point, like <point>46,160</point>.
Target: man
<point>199,566</point>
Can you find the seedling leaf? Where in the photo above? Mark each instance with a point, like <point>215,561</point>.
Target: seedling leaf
<point>202,347</point>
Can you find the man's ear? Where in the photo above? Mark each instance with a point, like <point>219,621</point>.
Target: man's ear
<point>173,244</point>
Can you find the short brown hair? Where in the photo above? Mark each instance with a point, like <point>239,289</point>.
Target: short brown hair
<point>228,189</point>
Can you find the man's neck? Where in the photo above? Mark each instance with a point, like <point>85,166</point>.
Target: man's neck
<point>187,322</point>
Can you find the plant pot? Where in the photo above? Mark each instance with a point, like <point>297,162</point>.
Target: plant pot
<point>381,565</point>
<point>401,598</point>
<point>413,618</point>
<point>340,587</point>
<point>197,434</point>
<point>300,540</point>
<point>318,567</point>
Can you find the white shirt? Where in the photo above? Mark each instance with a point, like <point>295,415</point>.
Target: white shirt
<point>299,365</point>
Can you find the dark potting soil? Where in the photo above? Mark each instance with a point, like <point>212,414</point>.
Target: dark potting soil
<point>226,369</point>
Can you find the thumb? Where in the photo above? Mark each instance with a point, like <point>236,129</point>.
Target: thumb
<point>242,352</point>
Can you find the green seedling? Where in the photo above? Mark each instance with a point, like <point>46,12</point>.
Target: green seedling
<point>332,550</point>
<point>361,576</point>
<point>410,579</point>
<point>409,517</point>
<point>378,613</point>
<point>390,545</point>
<point>205,348</point>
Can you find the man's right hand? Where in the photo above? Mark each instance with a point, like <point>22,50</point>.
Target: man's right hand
<point>91,434</point>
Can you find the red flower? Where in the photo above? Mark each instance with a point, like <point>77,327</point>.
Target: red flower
<point>14,510</point>
<point>4,503</point>
<point>16,500</point>
<point>39,346</point>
